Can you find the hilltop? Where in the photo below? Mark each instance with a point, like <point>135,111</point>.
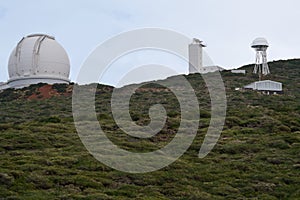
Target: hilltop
<point>256,157</point>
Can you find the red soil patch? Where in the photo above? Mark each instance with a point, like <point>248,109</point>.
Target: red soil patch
<point>46,92</point>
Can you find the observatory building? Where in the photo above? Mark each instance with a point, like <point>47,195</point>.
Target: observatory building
<point>37,58</point>
<point>260,45</point>
<point>267,87</point>
<point>196,59</point>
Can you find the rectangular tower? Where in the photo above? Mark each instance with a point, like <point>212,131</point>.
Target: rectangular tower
<point>195,56</point>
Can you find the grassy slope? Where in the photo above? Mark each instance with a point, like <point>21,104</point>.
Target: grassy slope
<point>42,157</point>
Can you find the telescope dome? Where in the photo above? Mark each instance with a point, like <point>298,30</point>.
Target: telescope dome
<point>38,58</point>
<point>259,42</point>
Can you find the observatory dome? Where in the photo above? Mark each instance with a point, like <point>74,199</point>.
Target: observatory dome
<point>38,58</point>
<point>260,42</point>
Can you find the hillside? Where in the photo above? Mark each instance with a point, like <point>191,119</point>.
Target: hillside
<point>256,157</point>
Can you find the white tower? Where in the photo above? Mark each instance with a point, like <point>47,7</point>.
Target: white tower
<point>260,45</point>
<point>195,56</point>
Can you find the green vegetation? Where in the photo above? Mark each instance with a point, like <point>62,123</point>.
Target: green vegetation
<point>257,155</point>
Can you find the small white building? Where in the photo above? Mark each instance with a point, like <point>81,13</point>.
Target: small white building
<point>209,69</point>
<point>238,71</point>
<point>267,86</point>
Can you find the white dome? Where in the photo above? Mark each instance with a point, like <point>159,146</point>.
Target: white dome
<point>38,58</point>
<point>260,42</point>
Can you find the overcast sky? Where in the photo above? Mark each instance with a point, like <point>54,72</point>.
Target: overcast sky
<point>226,26</point>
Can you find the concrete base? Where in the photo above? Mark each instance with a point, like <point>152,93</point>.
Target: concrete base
<point>25,82</point>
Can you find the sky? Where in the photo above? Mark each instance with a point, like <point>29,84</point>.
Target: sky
<point>227,27</point>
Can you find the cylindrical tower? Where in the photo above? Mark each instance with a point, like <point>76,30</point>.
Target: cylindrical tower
<point>195,56</point>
